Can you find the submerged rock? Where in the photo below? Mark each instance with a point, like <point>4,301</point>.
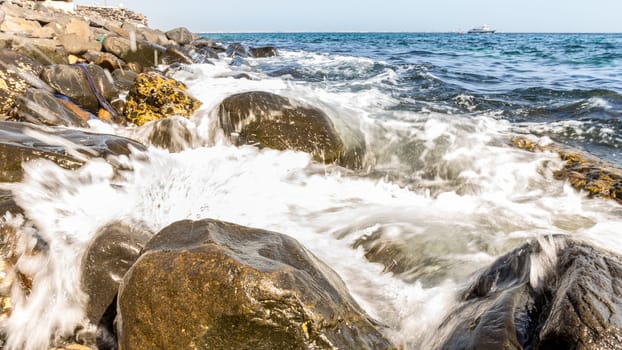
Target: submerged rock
<point>172,134</point>
<point>215,285</point>
<point>267,120</point>
<point>154,97</point>
<point>560,295</point>
<point>19,144</point>
<point>266,51</point>
<point>582,171</point>
<point>235,50</point>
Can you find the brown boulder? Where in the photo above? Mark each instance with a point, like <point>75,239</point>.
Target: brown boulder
<point>268,120</point>
<point>215,285</point>
<point>71,81</point>
<point>77,44</point>
<point>18,147</point>
<point>172,134</point>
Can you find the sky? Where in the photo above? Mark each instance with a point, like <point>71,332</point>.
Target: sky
<point>378,15</point>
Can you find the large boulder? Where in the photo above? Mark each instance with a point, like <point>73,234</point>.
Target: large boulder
<point>71,81</point>
<point>208,43</point>
<point>268,120</point>
<point>559,295</point>
<point>215,285</point>
<point>154,97</point>
<point>18,145</point>
<point>17,72</point>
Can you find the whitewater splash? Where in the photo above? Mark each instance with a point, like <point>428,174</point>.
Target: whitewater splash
<point>440,195</point>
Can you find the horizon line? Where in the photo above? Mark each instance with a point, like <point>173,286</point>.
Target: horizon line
<point>387,32</point>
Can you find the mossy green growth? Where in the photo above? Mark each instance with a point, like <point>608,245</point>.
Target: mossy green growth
<point>154,97</point>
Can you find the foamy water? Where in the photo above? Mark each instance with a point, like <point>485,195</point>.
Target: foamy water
<point>446,190</point>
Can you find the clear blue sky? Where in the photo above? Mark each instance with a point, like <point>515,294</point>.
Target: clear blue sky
<point>378,15</point>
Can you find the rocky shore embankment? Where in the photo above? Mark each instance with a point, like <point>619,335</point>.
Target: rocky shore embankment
<point>209,284</point>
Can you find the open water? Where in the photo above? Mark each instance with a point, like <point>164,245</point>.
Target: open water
<point>442,192</point>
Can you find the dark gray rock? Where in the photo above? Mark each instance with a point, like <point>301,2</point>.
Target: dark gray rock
<point>236,49</point>
<point>70,81</point>
<point>42,107</point>
<point>17,147</point>
<point>577,304</point>
<point>266,51</point>
<point>113,250</point>
<point>208,43</point>
<point>214,285</point>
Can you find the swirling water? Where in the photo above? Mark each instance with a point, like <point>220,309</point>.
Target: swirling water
<point>441,195</point>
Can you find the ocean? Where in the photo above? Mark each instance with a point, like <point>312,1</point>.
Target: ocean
<point>442,192</point>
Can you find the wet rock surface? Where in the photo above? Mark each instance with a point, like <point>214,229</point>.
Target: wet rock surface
<point>215,285</point>
<point>268,120</point>
<point>582,171</point>
<point>265,51</point>
<point>19,144</point>
<point>559,295</point>
<point>111,253</point>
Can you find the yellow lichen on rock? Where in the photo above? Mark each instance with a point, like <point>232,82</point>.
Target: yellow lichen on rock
<point>582,171</point>
<point>154,97</point>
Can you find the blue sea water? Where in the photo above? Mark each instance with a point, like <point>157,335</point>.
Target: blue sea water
<point>565,86</point>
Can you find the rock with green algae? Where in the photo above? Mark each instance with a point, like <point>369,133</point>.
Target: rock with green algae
<point>209,284</point>
<point>153,97</point>
<point>581,170</point>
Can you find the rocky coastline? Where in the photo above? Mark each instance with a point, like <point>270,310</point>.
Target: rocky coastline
<point>209,284</point>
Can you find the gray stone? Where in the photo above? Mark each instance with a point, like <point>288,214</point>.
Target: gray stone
<point>181,35</point>
<point>42,107</point>
<point>266,51</point>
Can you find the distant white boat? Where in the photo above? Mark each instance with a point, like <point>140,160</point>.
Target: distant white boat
<point>485,29</point>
